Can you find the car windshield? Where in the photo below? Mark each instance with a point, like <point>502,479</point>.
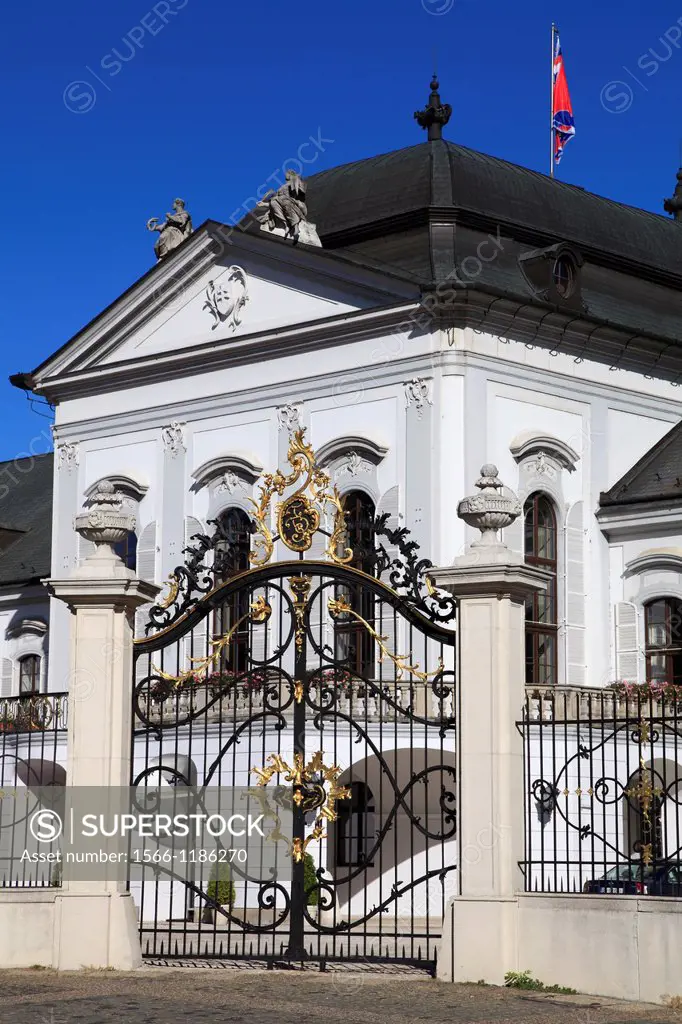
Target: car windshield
<point>628,872</point>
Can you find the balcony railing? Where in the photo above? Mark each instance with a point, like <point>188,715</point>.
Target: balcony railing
<point>36,712</point>
<point>355,699</point>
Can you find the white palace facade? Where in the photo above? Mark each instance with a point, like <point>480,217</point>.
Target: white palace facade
<point>431,312</point>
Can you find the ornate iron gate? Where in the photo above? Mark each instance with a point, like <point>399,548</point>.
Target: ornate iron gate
<point>334,682</point>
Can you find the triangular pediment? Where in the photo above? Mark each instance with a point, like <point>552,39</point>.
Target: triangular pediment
<point>214,292</point>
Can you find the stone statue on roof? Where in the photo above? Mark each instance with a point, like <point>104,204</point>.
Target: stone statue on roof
<point>173,231</point>
<point>285,213</point>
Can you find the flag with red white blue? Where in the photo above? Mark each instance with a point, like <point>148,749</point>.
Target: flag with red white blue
<point>563,124</point>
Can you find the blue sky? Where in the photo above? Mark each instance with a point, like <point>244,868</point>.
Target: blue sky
<point>112,110</point>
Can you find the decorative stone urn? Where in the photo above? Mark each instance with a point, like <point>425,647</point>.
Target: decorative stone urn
<point>489,511</point>
<point>104,523</point>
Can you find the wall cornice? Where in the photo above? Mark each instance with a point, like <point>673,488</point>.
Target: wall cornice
<point>553,387</point>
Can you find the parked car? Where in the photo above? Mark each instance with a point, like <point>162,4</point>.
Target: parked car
<point>637,879</point>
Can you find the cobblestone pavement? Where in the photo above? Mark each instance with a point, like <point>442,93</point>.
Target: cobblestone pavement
<point>173,996</point>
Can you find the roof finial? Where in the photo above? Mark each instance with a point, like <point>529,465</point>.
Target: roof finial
<point>435,114</point>
<point>674,204</point>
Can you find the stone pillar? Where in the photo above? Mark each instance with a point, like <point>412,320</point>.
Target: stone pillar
<point>96,922</point>
<point>491,584</point>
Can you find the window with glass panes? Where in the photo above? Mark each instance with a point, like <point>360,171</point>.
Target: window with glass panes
<point>663,631</point>
<point>540,548</point>
<point>232,557</point>
<point>355,827</point>
<point>29,674</point>
<point>354,644</point>
<point>127,550</point>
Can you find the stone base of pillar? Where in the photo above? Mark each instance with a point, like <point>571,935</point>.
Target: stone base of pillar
<point>96,931</point>
<point>480,940</point>
<point>68,931</point>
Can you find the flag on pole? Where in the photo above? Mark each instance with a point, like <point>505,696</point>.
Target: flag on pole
<point>563,125</point>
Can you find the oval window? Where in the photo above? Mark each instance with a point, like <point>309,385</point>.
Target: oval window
<point>564,276</point>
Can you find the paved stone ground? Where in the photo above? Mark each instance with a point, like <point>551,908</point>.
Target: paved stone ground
<point>178,995</point>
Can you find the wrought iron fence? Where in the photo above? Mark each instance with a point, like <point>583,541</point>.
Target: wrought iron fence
<point>603,790</point>
<point>32,755</point>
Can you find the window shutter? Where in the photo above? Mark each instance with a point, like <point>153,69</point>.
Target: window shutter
<point>6,681</point>
<point>146,570</point>
<point>574,535</point>
<point>192,527</point>
<point>321,540</point>
<point>146,553</point>
<point>627,642</point>
<point>195,644</point>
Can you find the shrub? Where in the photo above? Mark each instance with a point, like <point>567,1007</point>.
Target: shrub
<point>221,887</point>
<point>310,881</point>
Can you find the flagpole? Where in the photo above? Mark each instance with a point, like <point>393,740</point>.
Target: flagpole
<point>551,108</point>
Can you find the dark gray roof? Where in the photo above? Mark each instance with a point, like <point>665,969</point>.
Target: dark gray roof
<point>26,505</point>
<point>423,210</point>
<point>657,477</point>
<point>445,175</point>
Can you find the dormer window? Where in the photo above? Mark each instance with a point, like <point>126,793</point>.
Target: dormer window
<point>554,274</point>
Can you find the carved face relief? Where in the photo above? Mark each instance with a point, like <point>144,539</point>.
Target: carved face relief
<point>353,464</point>
<point>228,483</point>
<point>226,299</point>
<point>542,466</point>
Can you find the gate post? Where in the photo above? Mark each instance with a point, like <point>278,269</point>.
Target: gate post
<point>96,922</point>
<point>491,584</point>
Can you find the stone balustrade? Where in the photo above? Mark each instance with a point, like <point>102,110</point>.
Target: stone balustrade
<point>355,700</point>
<point>569,703</point>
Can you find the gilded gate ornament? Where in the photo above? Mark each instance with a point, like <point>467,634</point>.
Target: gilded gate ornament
<point>300,588</point>
<point>340,606</point>
<point>299,515</point>
<point>309,782</point>
<point>259,612</point>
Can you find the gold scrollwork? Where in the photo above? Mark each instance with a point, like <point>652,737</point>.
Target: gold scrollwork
<point>173,591</point>
<point>299,515</point>
<point>259,612</point>
<point>300,588</point>
<point>315,786</point>
<point>340,606</point>
<point>644,791</point>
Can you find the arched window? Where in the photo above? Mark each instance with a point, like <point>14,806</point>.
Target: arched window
<point>29,674</point>
<point>540,548</point>
<point>232,557</point>
<point>355,827</point>
<point>663,631</point>
<point>354,645</point>
<point>127,550</point>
